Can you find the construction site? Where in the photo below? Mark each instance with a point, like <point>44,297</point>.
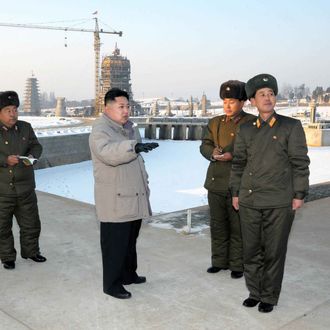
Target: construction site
<point>115,69</point>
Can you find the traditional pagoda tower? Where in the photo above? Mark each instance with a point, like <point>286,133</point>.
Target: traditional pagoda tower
<point>115,72</point>
<point>32,97</point>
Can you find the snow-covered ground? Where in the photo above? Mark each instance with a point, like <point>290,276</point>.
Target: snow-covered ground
<point>39,122</point>
<point>176,174</point>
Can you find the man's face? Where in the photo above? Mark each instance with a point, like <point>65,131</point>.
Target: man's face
<point>118,110</point>
<point>264,100</point>
<point>232,107</point>
<point>9,115</point>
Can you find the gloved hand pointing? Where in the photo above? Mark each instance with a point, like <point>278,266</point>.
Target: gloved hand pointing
<point>145,147</point>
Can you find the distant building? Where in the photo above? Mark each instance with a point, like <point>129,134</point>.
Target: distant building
<point>204,105</point>
<point>115,72</point>
<point>32,97</point>
<point>60,110</point>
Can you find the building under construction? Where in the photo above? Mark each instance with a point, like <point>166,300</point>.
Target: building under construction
<point>32,97</point>
<point>115,72</point>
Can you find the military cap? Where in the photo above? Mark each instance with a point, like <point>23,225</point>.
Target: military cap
<point>262,80</point>
<point>8,98</point>
<point>233,89</point>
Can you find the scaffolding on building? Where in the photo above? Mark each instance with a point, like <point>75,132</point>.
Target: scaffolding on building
<point>115,73</point>
<point>32,97</point>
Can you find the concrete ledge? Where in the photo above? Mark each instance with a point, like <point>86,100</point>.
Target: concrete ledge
<point>317,191</point>
<point>63,149</point>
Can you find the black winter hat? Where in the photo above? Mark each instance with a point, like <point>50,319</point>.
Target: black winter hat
<point>262,80</point>
<point>8,98</point>
<point>233,89</point>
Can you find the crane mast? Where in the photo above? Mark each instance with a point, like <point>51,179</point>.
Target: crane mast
<point>97,46</point>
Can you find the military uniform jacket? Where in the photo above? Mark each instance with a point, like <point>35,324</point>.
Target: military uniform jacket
<point>17,140</point>
<point>270,163</point>
<point>220,132</point>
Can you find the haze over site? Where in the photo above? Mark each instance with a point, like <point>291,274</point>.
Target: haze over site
<point>176,48</point>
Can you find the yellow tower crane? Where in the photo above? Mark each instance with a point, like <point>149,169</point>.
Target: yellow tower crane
<point>97,46</point>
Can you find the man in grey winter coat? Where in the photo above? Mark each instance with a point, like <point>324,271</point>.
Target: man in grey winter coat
<point>121,191</point>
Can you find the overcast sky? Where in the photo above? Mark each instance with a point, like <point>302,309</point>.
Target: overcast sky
<point>176,48</point>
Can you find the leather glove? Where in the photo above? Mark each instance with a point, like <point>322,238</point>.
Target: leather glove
<point>145,147</point>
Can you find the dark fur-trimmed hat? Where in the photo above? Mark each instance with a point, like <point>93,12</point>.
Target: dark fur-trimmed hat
<point>8,98</point>
<point>233,89</point>
<point>263,80</point>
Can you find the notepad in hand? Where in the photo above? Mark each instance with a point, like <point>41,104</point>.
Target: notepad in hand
<point>28,161</point>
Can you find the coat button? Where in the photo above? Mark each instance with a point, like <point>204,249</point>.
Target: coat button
<point>10,183</point>
<point>10,171</point>
<point>6,142</point>
<point>250,173</point>
<point>137,194</point>
<point>212,179</point>
<point>250,191</point>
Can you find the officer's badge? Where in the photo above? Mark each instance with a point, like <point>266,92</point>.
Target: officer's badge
<point>228,88</point>
<point>23,138</point>
<point>265,79</point>
<point>272,122</point>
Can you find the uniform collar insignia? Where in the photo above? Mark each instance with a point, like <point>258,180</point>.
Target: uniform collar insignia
<point>270,121</point>
<point>235,119</point>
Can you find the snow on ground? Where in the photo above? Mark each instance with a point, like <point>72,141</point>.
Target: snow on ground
<point>38,122</point>
<point>176,173</point>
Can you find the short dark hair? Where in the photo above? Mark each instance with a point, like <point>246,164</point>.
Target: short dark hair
<point>113,93</point>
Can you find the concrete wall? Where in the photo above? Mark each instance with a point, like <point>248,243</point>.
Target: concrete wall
<point>317,137</point>
<point>63,149</point>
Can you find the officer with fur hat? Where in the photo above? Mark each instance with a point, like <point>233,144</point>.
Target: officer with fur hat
<point>217,147</point>
<point>17,184</point>
<point>269,180</point>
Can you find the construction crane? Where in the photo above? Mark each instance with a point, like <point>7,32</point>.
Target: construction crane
<point>97,46</point>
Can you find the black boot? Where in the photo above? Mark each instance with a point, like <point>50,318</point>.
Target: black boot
<point>9,264</point>
<point>236,274</point>
<point>37,258</point>
<point>265,307</point>
<point>215,269</point>
<point>250,302</point>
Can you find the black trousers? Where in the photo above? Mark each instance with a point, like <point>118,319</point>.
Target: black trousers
<point>119,258</point>
<point>226,238</point>
<point>265,238</point>
<point>25,210</point>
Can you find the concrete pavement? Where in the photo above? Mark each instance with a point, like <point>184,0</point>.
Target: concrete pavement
<point>66,291</point>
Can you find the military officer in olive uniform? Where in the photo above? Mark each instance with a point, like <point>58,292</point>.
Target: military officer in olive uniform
<point>17,194</point>
<point>217,147</point>
<point>269,180</point>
